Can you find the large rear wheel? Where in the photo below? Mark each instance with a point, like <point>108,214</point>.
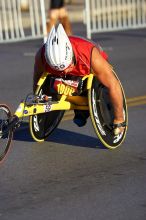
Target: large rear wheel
<point>102,115</point>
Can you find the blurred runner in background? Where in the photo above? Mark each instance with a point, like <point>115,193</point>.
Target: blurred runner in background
<point>58,13</point>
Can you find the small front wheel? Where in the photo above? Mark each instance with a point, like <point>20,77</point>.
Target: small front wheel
<point>6,134</point>
<point>102,115</point>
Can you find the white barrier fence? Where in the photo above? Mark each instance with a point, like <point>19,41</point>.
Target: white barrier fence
<point>17,24</point>
<point>113,15</point>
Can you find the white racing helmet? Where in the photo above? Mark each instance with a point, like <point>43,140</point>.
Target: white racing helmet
<point>58,49</point>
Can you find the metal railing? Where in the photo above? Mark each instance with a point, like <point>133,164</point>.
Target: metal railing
<point>17,24</point>
<point>113,15</point>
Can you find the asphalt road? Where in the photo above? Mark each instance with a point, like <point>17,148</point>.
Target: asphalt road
<point>71,176</point>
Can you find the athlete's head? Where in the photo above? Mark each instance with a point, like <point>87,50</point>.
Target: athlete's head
<point>58,49</point>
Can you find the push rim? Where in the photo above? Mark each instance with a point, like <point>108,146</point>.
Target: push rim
<point>102,116</point>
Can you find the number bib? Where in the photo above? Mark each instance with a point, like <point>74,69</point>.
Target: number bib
<point>66,87</point>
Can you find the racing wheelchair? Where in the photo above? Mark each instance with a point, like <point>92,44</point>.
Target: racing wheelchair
<point>46,108</point>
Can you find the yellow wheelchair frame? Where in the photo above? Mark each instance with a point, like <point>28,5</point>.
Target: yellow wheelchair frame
<point>65,103</point>
<point>34,106</point>
<point>98,104</point>
<point>69,102</point>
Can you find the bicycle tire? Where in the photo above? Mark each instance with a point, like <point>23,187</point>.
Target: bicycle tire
<point>42,125</point>
<point>101,113</point>
<point>6,135</point>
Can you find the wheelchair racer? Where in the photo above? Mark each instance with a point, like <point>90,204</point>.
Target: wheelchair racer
<point>74,56</point>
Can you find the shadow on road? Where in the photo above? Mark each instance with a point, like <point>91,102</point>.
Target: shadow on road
<point>60,136</point>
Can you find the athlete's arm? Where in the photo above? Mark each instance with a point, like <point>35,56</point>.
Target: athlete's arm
<point>38,69</point>
<point>104,74</point>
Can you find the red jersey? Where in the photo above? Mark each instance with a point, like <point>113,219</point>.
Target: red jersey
<point>82,49</point>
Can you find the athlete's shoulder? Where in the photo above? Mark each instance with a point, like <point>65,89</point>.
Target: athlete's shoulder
<point>40,56</point>
<point>41,50</point>
<point>78,39</point>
